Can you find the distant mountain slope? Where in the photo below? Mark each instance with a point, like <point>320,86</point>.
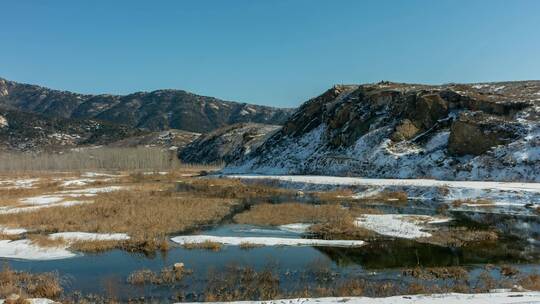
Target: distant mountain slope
<point>456,131</point>
<point>30,132</point>
<point>227,143</point>
<point>171,139</point>
<point>157,110</point>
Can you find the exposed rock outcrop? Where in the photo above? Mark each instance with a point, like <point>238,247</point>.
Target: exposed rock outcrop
<point>475,133</point>
<point>227,144</point>
<point>393,130</point>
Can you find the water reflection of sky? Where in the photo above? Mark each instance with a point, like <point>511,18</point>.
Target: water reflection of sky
<point>96,273</point>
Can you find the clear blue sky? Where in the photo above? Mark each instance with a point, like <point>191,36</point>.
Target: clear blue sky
<point>266,52</point>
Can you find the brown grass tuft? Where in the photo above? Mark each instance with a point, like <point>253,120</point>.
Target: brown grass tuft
<point>167,276</point>
<point>95,246</point>
<point>388,197</point>
<point>437,273</point>
<point>483,202</point>
<point>208,245</point>
<point>45,241</point>
<point>29,285</point>
<point>459,236</point>
<point>287,213</point>
<point>531,282</point>
<point>248,246</point>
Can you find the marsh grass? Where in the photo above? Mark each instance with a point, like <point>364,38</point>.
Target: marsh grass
<point>227,188</point>
<point>508,271</point>
<point>241,283</point>
<point>11,196</point>
<point>335,196</point>
<point>437,273</point>
<point>237,283</point>
<point>95,246</point>
<point>139,212</point>
<point>208,245</point>
<point>287,213</point>
<point>460,236</point>
<point>167,276</point>
<point>29,285</point>
<point>248,246</point>
<point>149,211</point>
<point>11,237</point>
<point>484,203</point>
<point>342,229</point>
<point>331,221</point>
<point>43,240</point>
<point>388,197</point>
<point>531,282</point>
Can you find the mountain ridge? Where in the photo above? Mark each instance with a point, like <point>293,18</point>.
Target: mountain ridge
<point>22,131</point>
<point>155,110</point>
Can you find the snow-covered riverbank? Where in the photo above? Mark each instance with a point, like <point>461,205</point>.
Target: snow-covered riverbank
<point>451,298</point>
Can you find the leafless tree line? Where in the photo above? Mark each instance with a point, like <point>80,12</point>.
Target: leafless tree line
<point>139,158</point>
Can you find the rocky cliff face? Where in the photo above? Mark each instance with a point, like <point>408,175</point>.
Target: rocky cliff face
<point>227,144</point>
<point>392,130</point>
<point>155,111</point>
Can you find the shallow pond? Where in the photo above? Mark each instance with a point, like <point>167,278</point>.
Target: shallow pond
<point>106,273</point>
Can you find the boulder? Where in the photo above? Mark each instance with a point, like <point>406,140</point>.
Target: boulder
<point>178,266</point>
<point>474,133</point>
<point>226,144</point>
<point>426,110</point>
<point>404,131</point>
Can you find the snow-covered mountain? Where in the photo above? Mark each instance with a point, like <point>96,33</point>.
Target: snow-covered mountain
<point>485,131</point>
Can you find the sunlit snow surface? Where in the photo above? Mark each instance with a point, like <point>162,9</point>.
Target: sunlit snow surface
<point>25,250</point>
<point>408,226</point>
<point>450,298</point>
<point>263,241</point>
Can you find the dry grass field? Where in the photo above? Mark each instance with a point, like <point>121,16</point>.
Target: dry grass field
<point>150,206</point>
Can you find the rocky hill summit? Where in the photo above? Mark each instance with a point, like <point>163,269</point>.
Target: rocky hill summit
<point>227,144</point>
<point>393,130</point>
<point>154,111</point>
